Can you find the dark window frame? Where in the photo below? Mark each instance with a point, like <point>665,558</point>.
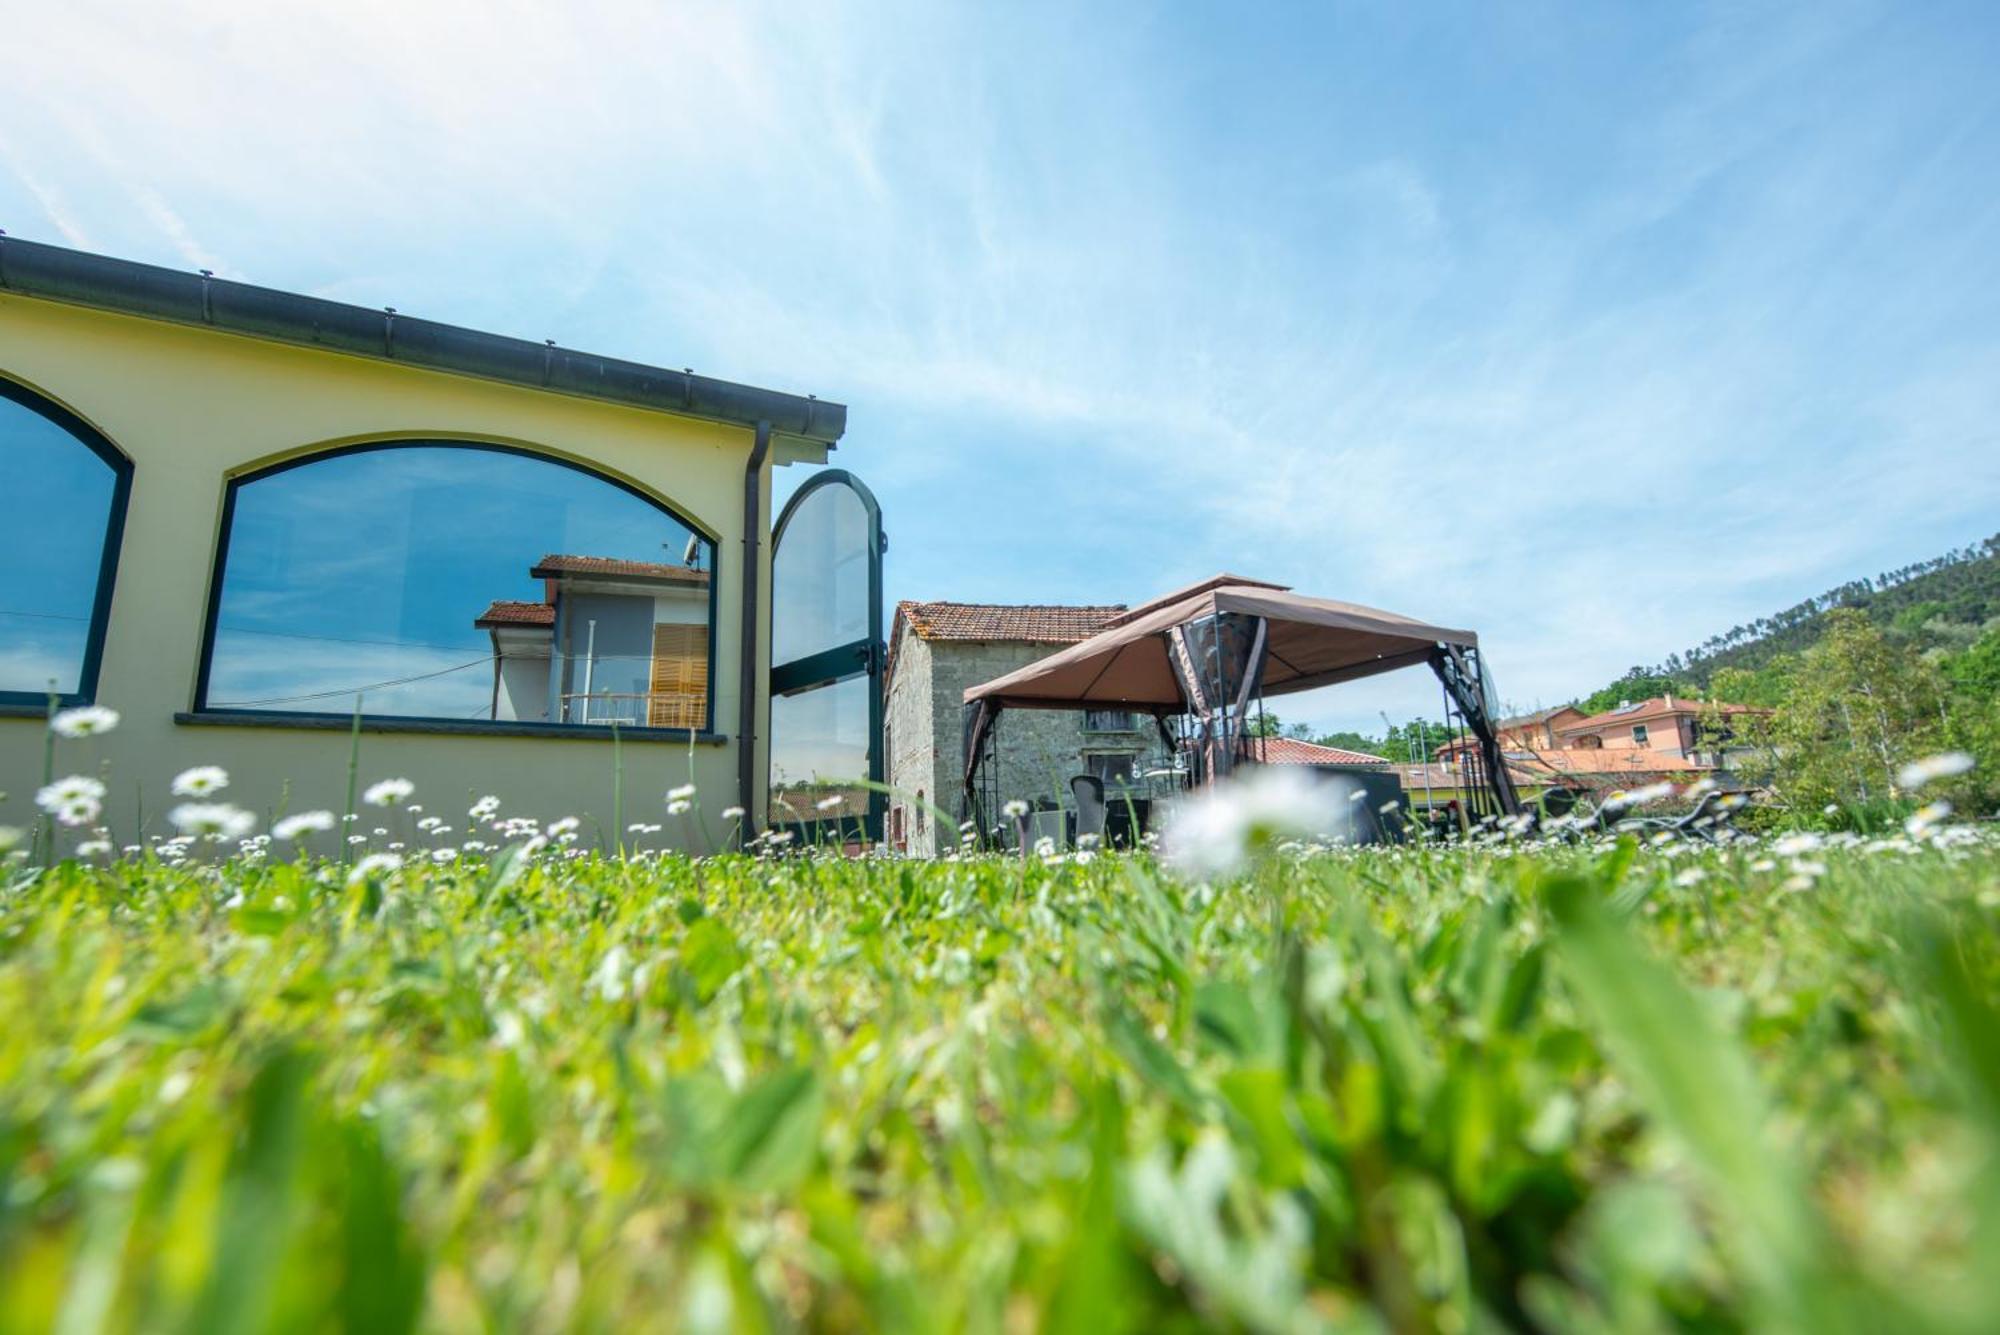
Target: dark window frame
<point>122,470</point>
<point>202,711</point>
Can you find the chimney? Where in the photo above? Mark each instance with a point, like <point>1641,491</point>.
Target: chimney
<point>1670,699</point>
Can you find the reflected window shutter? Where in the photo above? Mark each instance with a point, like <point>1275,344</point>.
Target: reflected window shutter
<point>679,686</point>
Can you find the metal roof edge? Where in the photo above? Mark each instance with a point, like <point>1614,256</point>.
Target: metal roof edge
<point>127,287</point>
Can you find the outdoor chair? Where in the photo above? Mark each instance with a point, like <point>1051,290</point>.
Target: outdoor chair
<point>1088,790</point>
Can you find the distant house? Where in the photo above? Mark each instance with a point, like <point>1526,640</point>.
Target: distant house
<point>1662,725</point>
<point>1537,731</point>
<point>611,642</point>
<point>1666,737</point>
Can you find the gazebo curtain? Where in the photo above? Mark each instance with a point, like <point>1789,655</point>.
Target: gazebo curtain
<point>1219,660</point>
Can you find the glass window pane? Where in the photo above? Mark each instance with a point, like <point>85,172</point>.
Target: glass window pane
<point>59,499</point>
<point>461,582</point>
<point>819,596</point>
<point>819,753</point>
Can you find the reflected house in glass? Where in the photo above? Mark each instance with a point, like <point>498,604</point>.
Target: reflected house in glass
<point>611,641</point>
<point>245,517</point>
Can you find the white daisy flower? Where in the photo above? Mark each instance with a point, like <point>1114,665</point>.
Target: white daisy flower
<point>732,813</point>
<point>212,820</point>
<point>828,803</point>
<point>375,864</point>
<point>1932,768</point>
<point>301,824</point>
<point>85,721</point>
<point>201,781</point>
<point>1216,833</point>
<point>1014,809</point>
<point>1923,822</point>
<point>681,794</point>
<point>388,792</point>
<point>1639,797</point>
<point>77,788</point>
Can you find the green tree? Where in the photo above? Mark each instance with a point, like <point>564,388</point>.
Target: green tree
<point>1351,741</point>
<point>1973,710</point>
<point>1637,684</point>
<point>1975,673</point>
<point>1858,708</point>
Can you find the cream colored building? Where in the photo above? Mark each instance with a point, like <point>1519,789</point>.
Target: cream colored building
<point>231,510</point>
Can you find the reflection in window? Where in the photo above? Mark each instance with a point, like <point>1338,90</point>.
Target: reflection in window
<point>819,753</point>
<point>65,495</point>
<point>820,599</point>
<point>460,582</point>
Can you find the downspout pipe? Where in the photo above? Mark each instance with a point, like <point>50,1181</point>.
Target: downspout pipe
<point>746,691</point>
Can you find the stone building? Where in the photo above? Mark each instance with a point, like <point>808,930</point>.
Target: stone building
<point>936,651</point>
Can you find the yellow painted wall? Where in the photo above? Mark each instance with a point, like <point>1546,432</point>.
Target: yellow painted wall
<point>194,407</point>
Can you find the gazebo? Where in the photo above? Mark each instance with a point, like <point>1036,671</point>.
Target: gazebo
<point>1206,653</point>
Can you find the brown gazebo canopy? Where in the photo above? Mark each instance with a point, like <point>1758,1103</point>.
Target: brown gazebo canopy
<point>1207,650</point>
<point>1310,642</point>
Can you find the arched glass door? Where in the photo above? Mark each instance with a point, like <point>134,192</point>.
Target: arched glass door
<point>827,659</point>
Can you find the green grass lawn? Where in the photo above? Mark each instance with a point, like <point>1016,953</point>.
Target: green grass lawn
<point>1602,1089</point>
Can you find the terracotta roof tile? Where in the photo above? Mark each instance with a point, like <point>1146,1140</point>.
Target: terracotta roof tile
<point>1292,751</point>
<point>554,565</point>
<point>516,614</point>
<point>1033,623</point>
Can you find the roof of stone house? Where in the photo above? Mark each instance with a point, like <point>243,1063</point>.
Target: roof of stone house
<point>509,613</point>
<point>1030,623</point>
<point>1292,751</point>
<point>1659,706</point>
<point>553,566</point>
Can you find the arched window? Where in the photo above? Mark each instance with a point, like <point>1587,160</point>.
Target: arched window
<point>827,657</point>
<point>460,582</point>
<point>66,492</point>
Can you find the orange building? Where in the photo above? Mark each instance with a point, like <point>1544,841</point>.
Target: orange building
<point>1665,737</point>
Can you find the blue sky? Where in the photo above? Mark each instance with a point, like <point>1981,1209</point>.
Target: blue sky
<point>1597,328</point>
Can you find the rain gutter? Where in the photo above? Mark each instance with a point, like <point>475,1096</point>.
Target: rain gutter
<point>746,690</point>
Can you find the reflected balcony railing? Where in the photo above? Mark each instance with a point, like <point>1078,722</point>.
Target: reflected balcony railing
<point>633,709</point>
